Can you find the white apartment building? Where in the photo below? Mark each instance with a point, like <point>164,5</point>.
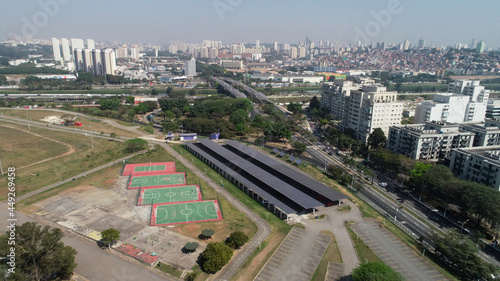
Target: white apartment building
<point>479,164</point>
<point>65,49</point>
<point>231,64</point>
<point>190,67</point>
<point>334,96</point>
<point>370,108</point>
<point>56,48</point>
<point>465,102</point>
<point>430,141</point>
<point>97,62</point>
<point>487,133</point>
<point>77,43</point>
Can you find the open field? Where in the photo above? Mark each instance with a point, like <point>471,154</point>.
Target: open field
<point>94,124</point>
<point>20,147</point>
<point>40,174</point>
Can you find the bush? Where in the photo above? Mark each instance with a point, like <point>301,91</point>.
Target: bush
<point>215,257</point>
<point>236,240</point>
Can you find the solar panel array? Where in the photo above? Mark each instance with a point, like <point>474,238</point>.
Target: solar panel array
<point>276,151</point>
<point>250,174</point>
<point>268,163</point>
<point>291,158</point>
<point>298,162</point>
<point>282,154</point>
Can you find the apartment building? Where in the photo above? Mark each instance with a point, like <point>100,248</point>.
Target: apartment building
<point>479,164</point>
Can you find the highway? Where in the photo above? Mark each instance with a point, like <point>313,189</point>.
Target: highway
<point>419,212</point>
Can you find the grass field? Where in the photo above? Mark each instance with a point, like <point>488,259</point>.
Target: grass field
<point>175,213</point>
<point>42,174</point>
<point>157,180</point>
<point>151,196</point>
<point>18,147</point>
<point>91,124</point>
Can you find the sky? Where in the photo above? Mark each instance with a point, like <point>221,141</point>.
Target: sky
<point>439,22</point>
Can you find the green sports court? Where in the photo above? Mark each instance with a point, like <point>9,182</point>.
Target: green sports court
<point>157,180</point>
<point>149,196</point>
<point>177,213</point>
<point>149,168</point>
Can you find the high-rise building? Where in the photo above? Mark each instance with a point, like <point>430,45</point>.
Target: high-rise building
<point>302,52</point>
<point>204,52</point>
<point>369,108</point>
<point>293,54</point>
<point>97,62</point>
<point>421,43</point>
<point>275,46</point>
<point>286,47</point>
<point>65,49</point>
<point>77,43</point>
<point>406,45</point>
<point>257,44</point>
<point>90,44</point>
<point>466,101</point>
<point>190,67</point>
<point>56,49</point>
<point>480,47</point>
<point>134,53</point>
<point>334,96</point>
<point>479,164</point>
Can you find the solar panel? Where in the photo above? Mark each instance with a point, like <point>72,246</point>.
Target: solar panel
<point>276,151</point>
<point>298,162</point>
<point>270,198</point>
<point>268,163</point>
<point>291,158</point>
<point>282,154</point>
<point>250,168</point>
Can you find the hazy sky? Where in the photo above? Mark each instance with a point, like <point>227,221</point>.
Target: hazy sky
<point>285,21</point>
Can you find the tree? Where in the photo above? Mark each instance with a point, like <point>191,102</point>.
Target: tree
<point>462,253</point>
<point>375,271</point>
<point>296,108</point>
<point>136,144</point>
<point>419,169</point>
<point>110,236</point>
<point>236,240</point>
<point>112,135</point>
<point>215,256</point>
<point>300,147</point>
<point>314,103</point>
<point>377,139</point>
<point>238,117</point>
<point>39,253</point>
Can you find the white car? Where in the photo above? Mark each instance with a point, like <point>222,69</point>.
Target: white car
<point>382,184</point>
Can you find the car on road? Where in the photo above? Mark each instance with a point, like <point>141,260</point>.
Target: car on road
<point>382,184</point>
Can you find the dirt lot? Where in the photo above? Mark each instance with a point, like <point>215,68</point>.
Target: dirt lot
<point>86,209</point>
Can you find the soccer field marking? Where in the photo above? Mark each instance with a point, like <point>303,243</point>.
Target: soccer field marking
<point>151,195</point>
<point>187,212</point>
<point>165,217</point>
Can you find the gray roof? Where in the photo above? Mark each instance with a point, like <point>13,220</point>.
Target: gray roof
<point>305,181</point>
<point>264,194</point>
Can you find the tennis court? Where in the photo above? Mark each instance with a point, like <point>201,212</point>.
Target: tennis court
<point>149,196</point>
<point>177,213</point>
<point>157,180</point>
<point>144,168</point>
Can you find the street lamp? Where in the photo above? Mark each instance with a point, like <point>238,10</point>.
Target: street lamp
<point>464,224</point>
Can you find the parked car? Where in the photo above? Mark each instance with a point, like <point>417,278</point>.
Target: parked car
<point>382,184</point>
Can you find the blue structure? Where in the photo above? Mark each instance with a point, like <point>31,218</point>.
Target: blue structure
<point>170,136</point>
<point>214,136</point>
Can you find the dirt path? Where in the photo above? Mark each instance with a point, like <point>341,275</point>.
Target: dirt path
<point>70,151</point>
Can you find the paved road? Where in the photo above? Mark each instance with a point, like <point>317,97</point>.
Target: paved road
<point>264,229</point>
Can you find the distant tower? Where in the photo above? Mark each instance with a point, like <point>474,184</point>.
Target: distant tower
<point>480,47</point>
<point>294,53</point>
<point>257,44</point>
<point>190,67</point>
<point>406,45</point>
<point>473,43</point>
<point>276,46</point>
<point>65,49</point>
<point>56,49</point>
<point>421,43</point>
<point>90,44</point>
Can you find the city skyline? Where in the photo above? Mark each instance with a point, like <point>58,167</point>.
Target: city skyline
<point>231,21</point>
